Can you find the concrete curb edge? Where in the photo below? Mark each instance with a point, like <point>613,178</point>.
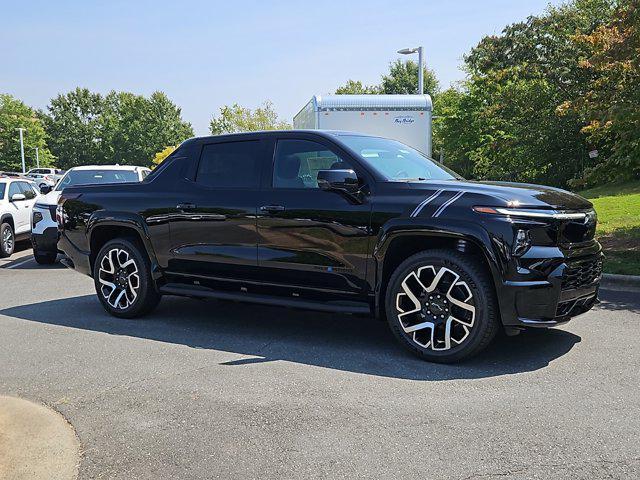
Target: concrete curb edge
<point>621,282</point>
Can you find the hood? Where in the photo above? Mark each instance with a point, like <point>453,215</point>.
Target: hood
<point>508,193</point>
<point>50,198</point>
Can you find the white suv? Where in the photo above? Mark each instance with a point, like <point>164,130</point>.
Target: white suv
<point>45,176</point>
<point>17,198</point>
<point>44,228</point>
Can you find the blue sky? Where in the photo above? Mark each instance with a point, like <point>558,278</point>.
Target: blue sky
<point>205,54</point>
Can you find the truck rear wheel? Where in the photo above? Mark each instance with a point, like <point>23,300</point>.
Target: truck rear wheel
<point>441,305</point>
<point>122,277</point>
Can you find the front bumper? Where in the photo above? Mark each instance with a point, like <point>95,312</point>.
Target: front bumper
<point>46,241</point>
<point>551,286</point>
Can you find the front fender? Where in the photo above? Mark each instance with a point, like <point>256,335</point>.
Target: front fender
<point>435,233</point>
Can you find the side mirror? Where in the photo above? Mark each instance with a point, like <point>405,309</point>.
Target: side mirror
<point>338,180</point>
<point>44,189</point>
<point>18,197</point>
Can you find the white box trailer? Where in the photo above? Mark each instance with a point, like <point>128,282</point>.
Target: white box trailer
<point>406,118</point>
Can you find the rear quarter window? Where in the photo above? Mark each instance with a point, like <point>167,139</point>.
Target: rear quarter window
<point>3,190</point>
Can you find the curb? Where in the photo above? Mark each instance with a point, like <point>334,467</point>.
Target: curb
<point>620,282</point>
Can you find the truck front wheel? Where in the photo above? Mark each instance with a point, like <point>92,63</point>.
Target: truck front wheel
<point>123,282</point>
<point>441,305</point>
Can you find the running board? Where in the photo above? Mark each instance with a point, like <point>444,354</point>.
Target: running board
<point>202,292</point>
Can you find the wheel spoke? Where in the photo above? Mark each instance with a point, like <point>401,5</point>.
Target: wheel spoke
<point>435,307</point>
<point>119,279</point>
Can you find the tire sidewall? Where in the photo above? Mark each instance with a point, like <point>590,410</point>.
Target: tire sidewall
<point>4,252</point>
<point>137,307</point>
<point>467,274</point>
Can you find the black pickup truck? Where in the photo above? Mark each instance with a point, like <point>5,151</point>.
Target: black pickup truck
<point>338,222</point>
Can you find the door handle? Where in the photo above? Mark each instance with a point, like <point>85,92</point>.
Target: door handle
<point>186,206</point>
<point>272,208</point>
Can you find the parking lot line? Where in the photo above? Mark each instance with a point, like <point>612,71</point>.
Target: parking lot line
<point>19,264</point>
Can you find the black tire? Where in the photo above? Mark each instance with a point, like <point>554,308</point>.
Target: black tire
<point>480,325</point>
<point>146,298</point>
<point>7,240</point>
<point>44,257</point>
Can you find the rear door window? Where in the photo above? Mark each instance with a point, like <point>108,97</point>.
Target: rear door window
<point>230,165</point>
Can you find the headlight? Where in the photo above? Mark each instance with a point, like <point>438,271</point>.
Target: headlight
<point>41,206</point>
<point>533,213</point>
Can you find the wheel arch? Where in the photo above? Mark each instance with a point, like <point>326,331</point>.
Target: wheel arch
<point>8,218</point>
<point>103,229</point>
<point>394,246</point>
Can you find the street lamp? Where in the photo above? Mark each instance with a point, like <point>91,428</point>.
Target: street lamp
<point>37,159</point>
<point>409,51</point>
<point>22,149</point>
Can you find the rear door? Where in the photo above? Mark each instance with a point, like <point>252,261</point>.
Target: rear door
<point>311,238</point>
<point>213,226</point>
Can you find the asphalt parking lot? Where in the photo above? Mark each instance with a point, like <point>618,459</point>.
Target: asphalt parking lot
<point>205,389</point>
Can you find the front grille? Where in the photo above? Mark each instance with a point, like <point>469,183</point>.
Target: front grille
<point>582,274</point>
<point>52,211</point>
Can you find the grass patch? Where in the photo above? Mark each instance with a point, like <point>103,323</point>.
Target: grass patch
<point>618,208</point>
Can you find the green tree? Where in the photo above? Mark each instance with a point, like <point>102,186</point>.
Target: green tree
<point>134,128</point>
<point>73,124</point>
<point>15,114</point>
<point>401,79</point>
<point>611,102</point>
<point>234,118</point>
<point>512,127</point>
<point>356,87</point>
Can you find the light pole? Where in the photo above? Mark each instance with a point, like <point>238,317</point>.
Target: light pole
<point>37,159</point>
<point>409,51</point>
<point>22,148</point>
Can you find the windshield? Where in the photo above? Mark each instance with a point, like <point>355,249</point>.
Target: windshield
<point>396,161</point>
<point>80,177</point>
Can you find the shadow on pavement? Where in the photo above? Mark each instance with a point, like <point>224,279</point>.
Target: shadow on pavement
<point>341,342</point>
<point>614,300</point>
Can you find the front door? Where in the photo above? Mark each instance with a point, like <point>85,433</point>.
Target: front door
<point>21,209</point>
<point>310,237</point>
<point>213,226</point>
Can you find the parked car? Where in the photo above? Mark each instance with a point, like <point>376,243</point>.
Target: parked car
<point>45,176</point>
<point>17,197</point>
<point>44,229</point>
<point>339,222</point>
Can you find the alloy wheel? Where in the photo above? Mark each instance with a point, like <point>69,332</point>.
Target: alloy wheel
<point>119,279</point>
<point>7,240</point>
<point>435,308</point>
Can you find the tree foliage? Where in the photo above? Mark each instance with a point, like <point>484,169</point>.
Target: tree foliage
<point>401,79</point>
<point>507,123</point>
<point>611,103</point>
<point>159,157</point>
<point>15,114</point>
<point>234,119</point>
<point>121,127</point>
